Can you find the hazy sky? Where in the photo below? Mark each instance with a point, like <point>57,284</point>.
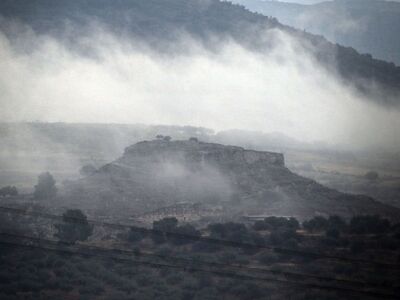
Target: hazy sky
<point>313,1</point>
<point>302,1</point>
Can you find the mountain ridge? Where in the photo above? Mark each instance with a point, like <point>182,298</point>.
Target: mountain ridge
<point>368,26</point>
<point>159,22</point>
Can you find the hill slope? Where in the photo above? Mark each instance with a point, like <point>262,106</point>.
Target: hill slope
<point>160,22</point>
<point>159,173</point>
<point>368,26</point>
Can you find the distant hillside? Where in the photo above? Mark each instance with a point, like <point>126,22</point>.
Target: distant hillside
<point>370,26</point>
<point>63,149</point>
<point>160,173</point>
<point>159,22</point>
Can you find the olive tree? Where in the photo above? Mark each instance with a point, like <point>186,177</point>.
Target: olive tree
<point>75,227</point>
<point>46,187</point>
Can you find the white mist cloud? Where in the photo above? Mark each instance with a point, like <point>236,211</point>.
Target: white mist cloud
<point>284,90</point>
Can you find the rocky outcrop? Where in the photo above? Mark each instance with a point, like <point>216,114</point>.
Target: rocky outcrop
<point>160,173</point>
<point>193,150</point>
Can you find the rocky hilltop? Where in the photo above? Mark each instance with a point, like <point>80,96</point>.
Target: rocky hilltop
<point>203,153</point>
<point>230,180</point>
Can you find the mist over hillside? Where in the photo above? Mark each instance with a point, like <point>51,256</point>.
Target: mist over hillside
<point>205,64</point>
<point>63,149</point>
<point>160,173</point>
<point>368,26</point>
<point>200,63</point>
<point>192,150</point>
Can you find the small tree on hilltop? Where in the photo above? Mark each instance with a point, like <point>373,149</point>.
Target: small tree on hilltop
<point>87,170</point>
<point>46,187</point>
<point>75,227</point>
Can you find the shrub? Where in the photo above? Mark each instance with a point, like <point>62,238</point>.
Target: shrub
<point>284,237</point>
<point>46,187</point>
<point>174,278</point>
<point>91,289</point>
<point>116,295</point>
<point>357,247</point>
<point>317,223</point>
<point>227,257</point>
<point>75,227</point>
<point>204,246</point>
<point>337,223</point>
<point>260,225</point>
<point>162,227</point>
<point>268,257</point>
<point>187,230</point>
<point>135,235</point>
<point>388,243</point>
<point>248,290</point>
<point>274,223</point>
<point>333,233</point>
<point>8,191</point>
<point>369,225</point>
<point>235,232</point>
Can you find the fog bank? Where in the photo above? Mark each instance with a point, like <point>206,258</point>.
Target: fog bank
<point>115,81</point>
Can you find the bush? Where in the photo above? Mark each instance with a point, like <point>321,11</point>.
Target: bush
<point>116,295</point>
<point>357,247</point>
<point>8,191</point>
<point>260,225</point>
<point>204,246</point>
<point>268,257</point>
<point>369,225</point>
<point>187,230</point>
<point>174,278</point>
<point>29,285</point>
<point>248,290</point>
<point>164,251</point>
<point>46,187</point>
<point>162,227</point>
<point>91,289</point>
<point>207,293</point>
<point>284,237</point>
<point>333,233</point>
<point>227,257</point>
<point>75,227</point>
<point>337,223</point>
<point>135,236</point>
<point>235,232</point>
<point>274,223</point>
<point>317,223</point>
<point>388,243</point>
